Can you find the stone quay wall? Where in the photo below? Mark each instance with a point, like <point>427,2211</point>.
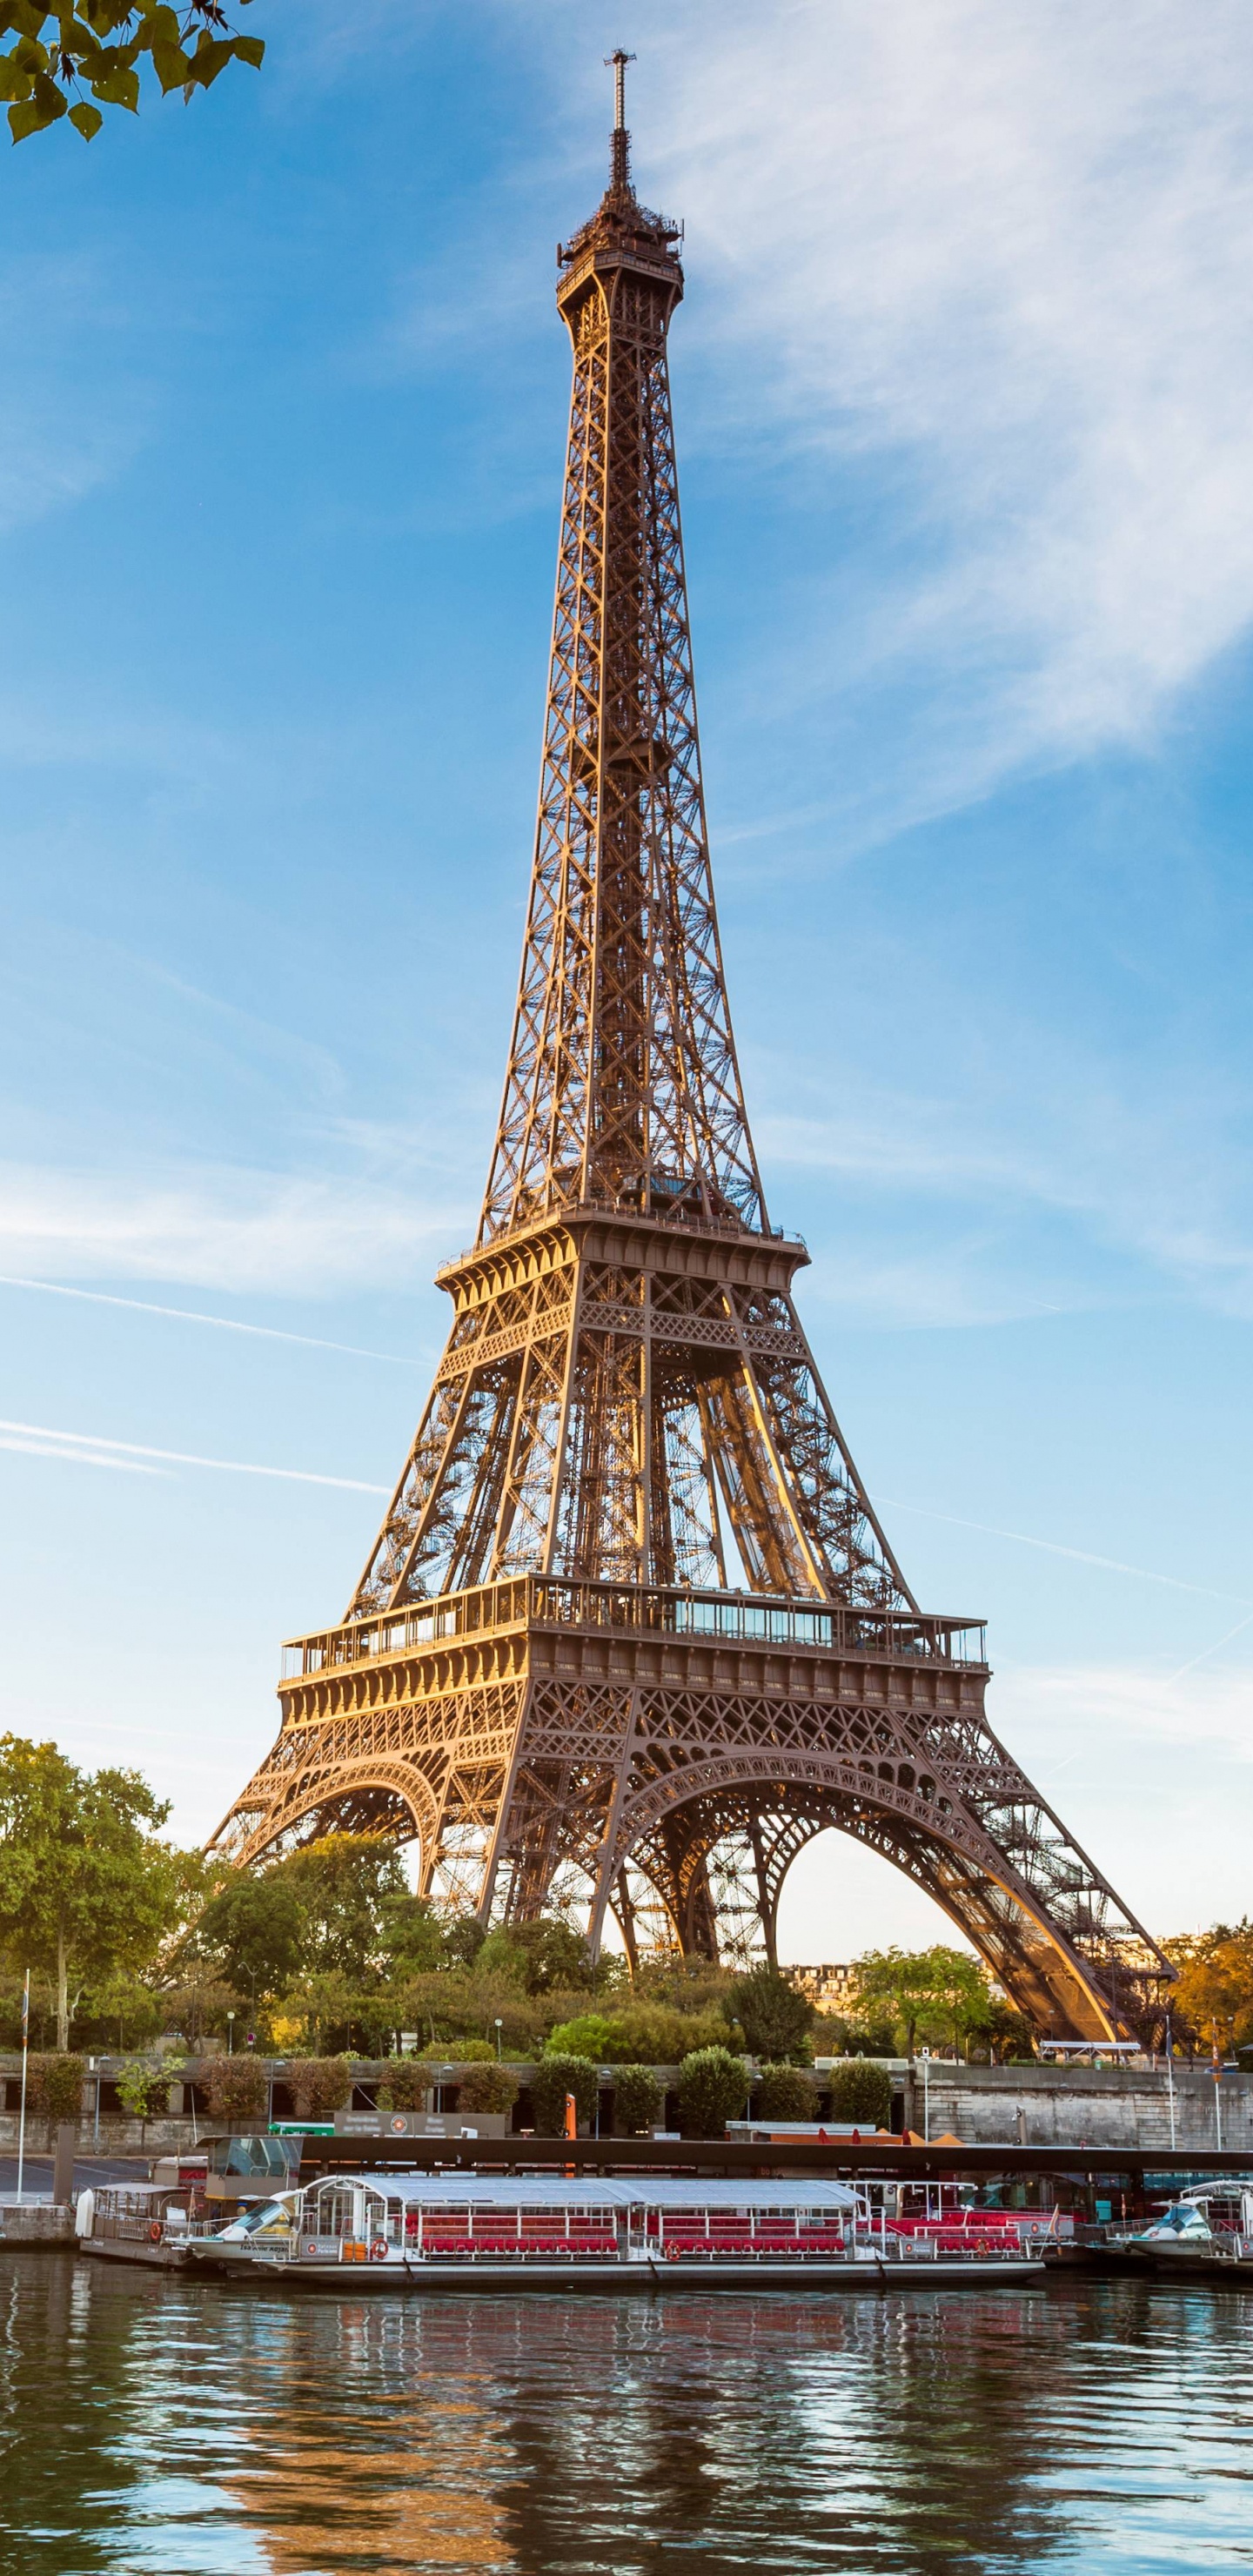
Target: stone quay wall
<point>1075,2106</point>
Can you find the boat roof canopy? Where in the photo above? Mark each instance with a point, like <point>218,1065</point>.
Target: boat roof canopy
<point>595,2191</point>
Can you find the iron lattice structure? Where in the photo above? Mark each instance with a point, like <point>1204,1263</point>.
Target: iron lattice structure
<point>631,1633</point>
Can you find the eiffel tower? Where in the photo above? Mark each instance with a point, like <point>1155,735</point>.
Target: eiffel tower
<point>631,1633</point>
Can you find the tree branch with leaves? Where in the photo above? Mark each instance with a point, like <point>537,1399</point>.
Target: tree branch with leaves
<point>55,62</point>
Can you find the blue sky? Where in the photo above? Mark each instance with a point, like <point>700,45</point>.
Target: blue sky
<point>963,384</point>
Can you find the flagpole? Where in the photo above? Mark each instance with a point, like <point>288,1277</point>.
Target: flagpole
<point>21,2130</point>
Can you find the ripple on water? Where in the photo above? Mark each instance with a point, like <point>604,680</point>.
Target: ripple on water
<point>158,2424</point>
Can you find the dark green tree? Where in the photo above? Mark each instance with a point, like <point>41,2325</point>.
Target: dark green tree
<point>860,2092</point>
<point>345,1885</point>
<point>252,1933</point>
<point>555,2077</point>
<point>87,1887</point>
<point>774,2017</point>
<point>712,2088</point>
<point>57,61</point>
<point>637,2100</point>
<point>940,1990</point>
<point>786,2093</point>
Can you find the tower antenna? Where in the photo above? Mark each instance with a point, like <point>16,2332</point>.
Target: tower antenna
<point>620,141</point>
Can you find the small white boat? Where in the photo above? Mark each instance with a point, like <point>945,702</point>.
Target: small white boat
<point>424,2231</point>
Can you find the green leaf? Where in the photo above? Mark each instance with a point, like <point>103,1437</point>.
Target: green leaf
<point>87,119</point>
<point>170,65</point>
<point>28,117</point>
<point>118,89</point>
<point>211,56</point>
<point>250,49</point>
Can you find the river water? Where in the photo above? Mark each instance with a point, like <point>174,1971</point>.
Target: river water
<point>157,2424</point>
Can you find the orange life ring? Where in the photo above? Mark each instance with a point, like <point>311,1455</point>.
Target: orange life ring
<point>983,2247</point>
<point>155,2232</point>
<point>673,2254</point>
<point>378,2250</point>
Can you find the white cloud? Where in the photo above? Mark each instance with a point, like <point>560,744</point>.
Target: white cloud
<point>1009,253</point>
<point>219,1228</point>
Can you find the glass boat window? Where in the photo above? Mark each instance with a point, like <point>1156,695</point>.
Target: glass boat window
<point>270,2214</point>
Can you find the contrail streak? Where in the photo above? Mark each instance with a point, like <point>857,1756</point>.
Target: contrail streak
<point>1053,1547</point>
<point>87,1441</point>
<point>223,1323</point>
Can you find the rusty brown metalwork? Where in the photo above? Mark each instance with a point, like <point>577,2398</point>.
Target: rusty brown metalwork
<point>631,1633</point>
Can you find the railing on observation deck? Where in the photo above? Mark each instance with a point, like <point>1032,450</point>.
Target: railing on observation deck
<point>733,1618</point>
<point>678,1217</point>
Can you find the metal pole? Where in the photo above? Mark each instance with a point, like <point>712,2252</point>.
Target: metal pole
<point>21,2128</point>
<point>926,2096</point>
<point>1216,2063</point>
<point>1170,2081</point>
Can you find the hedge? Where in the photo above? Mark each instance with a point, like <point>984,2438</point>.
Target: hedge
<point>555,2077</point>
<point>861,2091</point>
<point>637,2100</point>
<point>712,2088</point>
<point>237,2088</point>
<point>786,2093</point>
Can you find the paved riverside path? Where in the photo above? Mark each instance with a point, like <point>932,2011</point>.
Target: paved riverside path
<point>37,2178</point>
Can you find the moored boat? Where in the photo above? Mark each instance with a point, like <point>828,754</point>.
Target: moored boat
<point>424,2231</point>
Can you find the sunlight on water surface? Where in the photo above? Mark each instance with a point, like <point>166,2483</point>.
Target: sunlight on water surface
<point>172,2427</point>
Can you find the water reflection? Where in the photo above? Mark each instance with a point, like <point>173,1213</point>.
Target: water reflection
<point>156,2424</point>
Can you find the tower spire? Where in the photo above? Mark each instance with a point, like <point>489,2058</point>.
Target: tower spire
<point>620,140</point>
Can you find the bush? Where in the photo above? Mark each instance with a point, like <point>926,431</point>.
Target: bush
<point>786,2093</point>
<point>642,2035</point>
<point>592,2035</point>
<point>637,2100</point>
<point>237,2088</point>
<point>408,2082</point>
<point>54,2084</point>
<point>320,2085</point>
<point>144,2084</point>
<point>713,2088</point>
<point>860,2091</point>
<point>554,2078</point>
<point>488,2088</point>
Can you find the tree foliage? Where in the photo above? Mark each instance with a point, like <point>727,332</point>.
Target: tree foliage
<point>487,2088</point>
<point>712,2088</point>
<point>941,1992</point>
<point>54,2084</point>
<point>87,1887</point>
<point>637,2100</point>
<point>859,2091</point>
<point>321,2085</point>
<point>237,2088</point>
<point>1214,1996</point>
<point>57,61</point>
<point>773,2015</point>
<point>553,2079</point>
<point>786,2093</point>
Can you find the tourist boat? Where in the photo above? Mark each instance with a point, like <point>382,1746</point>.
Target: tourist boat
<point>134,2222</point>
<point>1207,2232</point>
<point>426,2231</point>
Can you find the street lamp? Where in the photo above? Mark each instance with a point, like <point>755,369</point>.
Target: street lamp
<point>926,2096</point>
<point>230,2034</point>
<point>499,2027</point>
<point>1170,2078</point>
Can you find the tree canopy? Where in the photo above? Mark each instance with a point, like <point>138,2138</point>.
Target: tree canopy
<point>942,1992</point>
<point>80,57</point>
<point>87,1886</point>
<point>773,2015</point>
<point>1214,1996</point>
